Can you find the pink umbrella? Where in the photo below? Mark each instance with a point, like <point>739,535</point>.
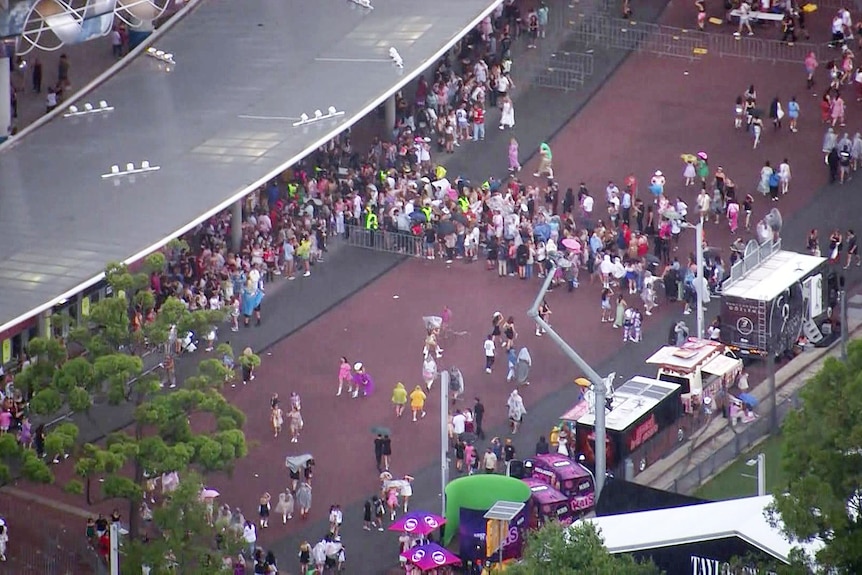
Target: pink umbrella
<point>430,556</point>
<point>417,523</point>
<point>209,494</point>
<point>572,245</point>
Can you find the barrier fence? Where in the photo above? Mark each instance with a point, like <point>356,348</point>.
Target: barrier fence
<point>630,35</point>
<point>401,243</point>
<point>746,436</point>
<point>53,544</point>
<point>563,70</point>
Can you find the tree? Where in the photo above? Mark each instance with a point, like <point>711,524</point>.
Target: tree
<point>182,533</point>
<point>822,456</point>
<point>162,438</point>
<point>573,550</point>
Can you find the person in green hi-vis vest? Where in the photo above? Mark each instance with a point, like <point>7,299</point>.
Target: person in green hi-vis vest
<point>545,169</point>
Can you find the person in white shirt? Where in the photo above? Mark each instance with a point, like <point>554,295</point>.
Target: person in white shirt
<point>249,535</point>
<point>459,424</point>
<point>612,191</point>
<point>490,352</point>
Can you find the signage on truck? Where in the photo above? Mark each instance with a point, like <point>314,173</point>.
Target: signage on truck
<point>643,432</point>
<point>583,502</point>
<point>707,566</point>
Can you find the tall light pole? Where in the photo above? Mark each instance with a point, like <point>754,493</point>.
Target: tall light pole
<point>598,382</point>
<point>444,443</point>
<point>700,287</point>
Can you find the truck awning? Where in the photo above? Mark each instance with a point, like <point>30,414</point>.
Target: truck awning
<point>721,365</point>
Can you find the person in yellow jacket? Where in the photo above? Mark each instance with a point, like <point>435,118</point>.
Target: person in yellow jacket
<point>399,399</point>
<point>417,402</point>
<point>554,438</point>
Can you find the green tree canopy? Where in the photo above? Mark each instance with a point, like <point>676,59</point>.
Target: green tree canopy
<point>822,456</point>
<point>574,550</point>
<point>181,533</point>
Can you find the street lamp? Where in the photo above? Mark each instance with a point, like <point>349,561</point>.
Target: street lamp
<point>598,383</point>
<point>760,462</point>
<point>700,288</point>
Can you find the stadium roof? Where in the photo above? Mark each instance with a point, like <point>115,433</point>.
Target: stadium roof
<point>217,123</point>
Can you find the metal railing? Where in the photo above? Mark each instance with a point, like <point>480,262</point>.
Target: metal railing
<point>402,243</point>
<point>45,541</point>
<point>745,437</point>
<point>630,35</point>
<point>752,258</point>
<point>564,70</point>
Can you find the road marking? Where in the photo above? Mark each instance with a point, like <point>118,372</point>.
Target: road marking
<point>247,117</point>
<point>353,60</point>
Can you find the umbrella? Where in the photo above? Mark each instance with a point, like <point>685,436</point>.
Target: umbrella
<point>418,216</point>
<point>441,185</point>
<point>583,382</point>
<point>315,201</point>
<point>209,493</point>
<point>702,156</point>
<point>756,113</point>
<point>748,399</point>
<point>432,321</point>
<point>446,227</point>
<point>655,189</point>
<point>380,430</point>
<point>430,556</point>
<point>418,523</point>
<point>572,245</point>
<point>460,218</point>
<point>671,215</point>
<point>688,158</point>
<point>297,462</point>
<point>542,231</point>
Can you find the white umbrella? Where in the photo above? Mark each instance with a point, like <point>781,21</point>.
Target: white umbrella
<point>209,493</point>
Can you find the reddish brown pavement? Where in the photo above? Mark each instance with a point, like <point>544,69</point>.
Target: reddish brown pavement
<point>655,109</point>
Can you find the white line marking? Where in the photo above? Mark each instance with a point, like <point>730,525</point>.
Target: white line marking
<point>353,60</point>
<point>247,117</point>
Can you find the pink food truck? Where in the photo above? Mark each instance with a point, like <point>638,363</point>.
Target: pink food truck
<point>569,478</point>
<point>546,503</point>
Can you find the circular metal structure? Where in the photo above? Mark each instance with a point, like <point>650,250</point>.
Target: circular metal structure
<point>52,24</point>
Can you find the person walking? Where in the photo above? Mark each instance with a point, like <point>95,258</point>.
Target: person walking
<point>784,176</point>
<point>284,507</point>
<point>304,557</point>
<point>249,536</point>
<point>514,163</point>
<point>489,461</point>
<point>386,451</point>
<point>264,509</point>
<point>793,114</point>
<point>478,417</point>
<point>517,411</point>
<point>417,402</point>
<point>277,419</point>
<point>303,499</point>
<point>490,352</point>
<point>295,424</point>
<point>378,452</point>
<point>399,399</point>
<point>345,376</point>
<point>852,249</point>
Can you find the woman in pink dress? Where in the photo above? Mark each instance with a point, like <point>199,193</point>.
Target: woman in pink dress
<point>345,377</point>
<point>838,111</point>
<point>392,502</point>
<point>514,164</point>
<point>733,215</point>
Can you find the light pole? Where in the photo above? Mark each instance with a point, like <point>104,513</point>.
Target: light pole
<point>845,326</point>
<point>699,284</point>
<point>444,444</point>
<point>598,382</point>
<point>760,462</point>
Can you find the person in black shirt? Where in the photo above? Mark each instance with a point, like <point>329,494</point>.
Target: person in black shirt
<point>542,446</point>
<point>430,241</point>
<point>852,249</point>
<point>478,416</point>
<point>378,452</point>
<point>386,446</point>
<point>508,450</point>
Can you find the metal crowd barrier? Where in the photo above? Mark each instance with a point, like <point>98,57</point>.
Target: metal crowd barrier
<point>617,33</point>
<point>402,243</point>
<point>562,70</point>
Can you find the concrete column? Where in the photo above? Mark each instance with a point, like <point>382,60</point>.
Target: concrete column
<point>45,324</point>
<point>389,115</point>
<point>236,226</point>
<point>5,95</point>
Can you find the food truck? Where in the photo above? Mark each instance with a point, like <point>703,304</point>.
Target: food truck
<point>640,409</point>
<point>702,368</point>
<point>569,478</point>
<point>546,503</point>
